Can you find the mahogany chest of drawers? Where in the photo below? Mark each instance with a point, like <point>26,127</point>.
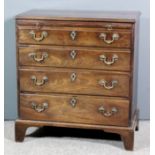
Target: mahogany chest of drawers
<point>78,69</point>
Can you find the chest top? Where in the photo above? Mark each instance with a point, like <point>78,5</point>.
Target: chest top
<point>114,16</point>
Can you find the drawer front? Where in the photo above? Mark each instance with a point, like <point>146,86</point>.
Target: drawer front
<point>76,109</point>
<point>75,81</point>
<point>75,36</point>
<point>75,57</point>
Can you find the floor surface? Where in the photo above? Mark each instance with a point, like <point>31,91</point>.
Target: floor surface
<point>62,141</point>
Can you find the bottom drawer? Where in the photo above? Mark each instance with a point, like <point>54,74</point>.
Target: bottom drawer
<point>75,109</point>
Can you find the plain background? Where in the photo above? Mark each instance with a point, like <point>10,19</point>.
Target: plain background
<point>14,7</point>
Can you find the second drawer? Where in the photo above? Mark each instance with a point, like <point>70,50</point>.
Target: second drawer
<point>108,59</point>
<point>76,81</point>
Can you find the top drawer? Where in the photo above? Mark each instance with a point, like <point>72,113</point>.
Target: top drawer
<point>76,36</point>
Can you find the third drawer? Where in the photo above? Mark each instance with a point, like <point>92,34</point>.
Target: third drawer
<point>76,81</point>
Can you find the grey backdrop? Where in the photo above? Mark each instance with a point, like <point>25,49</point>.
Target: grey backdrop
<point>13,7</point>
